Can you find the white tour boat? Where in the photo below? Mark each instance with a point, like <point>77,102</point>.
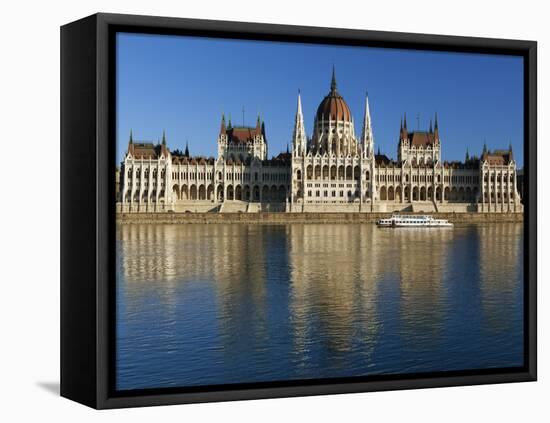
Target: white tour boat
<point>412,221</point>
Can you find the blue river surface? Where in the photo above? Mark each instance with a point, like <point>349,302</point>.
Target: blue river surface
<point>220,304</point>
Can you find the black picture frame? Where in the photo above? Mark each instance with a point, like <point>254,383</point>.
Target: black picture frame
<point>88,212</point>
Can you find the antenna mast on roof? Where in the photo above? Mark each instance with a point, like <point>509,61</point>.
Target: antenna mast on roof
<point>243,116</point>
<point>418,121</point>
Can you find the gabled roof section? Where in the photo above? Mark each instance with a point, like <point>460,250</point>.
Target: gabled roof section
<point>144,150</point>
<point>421,138</point>
<point>242,134</point>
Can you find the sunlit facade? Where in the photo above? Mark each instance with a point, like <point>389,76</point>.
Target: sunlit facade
<point>333,170</point>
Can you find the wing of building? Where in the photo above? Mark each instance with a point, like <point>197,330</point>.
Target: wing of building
<point>333,170</point>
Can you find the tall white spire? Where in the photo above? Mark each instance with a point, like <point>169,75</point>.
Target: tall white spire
<point>299,139</point>
<point>367,138</point>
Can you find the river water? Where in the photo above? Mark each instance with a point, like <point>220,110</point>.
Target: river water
<point>221,304</point>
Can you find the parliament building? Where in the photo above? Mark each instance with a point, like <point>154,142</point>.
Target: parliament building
<point>331,170</point>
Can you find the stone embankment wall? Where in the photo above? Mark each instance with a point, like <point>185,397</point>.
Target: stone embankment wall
<point>286,218</point>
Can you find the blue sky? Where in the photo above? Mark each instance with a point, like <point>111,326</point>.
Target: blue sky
<point>183,84</point>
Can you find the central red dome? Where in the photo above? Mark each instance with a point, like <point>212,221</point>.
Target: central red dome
<point>333,106</point>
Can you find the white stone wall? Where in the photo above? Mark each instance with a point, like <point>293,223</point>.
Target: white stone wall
<point>330,179</point>
<point>316,183</point>
<point>147,181</point>
<point>408,183</point>
<point>255,148</point>
<point>419,155</point>
<point>144,184</point>
<point>499,191</point>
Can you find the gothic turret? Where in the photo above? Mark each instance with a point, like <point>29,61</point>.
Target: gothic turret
<point>163,147</point>
<point>367,138</point>
<point>223,129</point>
<point>131,143</point>
<point>403,133</point>
<point>299,139</point>
<point>436,130</point>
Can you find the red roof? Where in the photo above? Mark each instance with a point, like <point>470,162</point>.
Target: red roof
<point>333,107</point>
<point>498,157</point>
<point>421,139</point>
<point>242,135</point>
<point>144,150</point>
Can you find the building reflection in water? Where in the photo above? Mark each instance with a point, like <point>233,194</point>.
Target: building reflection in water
<point>501,287</point>
<point>421,259</point>
<point>211,304</point>
<point>333,275</point>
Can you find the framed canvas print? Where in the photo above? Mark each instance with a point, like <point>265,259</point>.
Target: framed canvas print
<point>255,211</point>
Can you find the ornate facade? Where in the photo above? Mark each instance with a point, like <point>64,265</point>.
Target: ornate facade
<point>332,170</point>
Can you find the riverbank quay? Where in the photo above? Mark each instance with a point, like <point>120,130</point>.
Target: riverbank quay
<point>272,218</point>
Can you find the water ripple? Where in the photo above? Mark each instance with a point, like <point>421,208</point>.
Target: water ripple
<point>210,304</point>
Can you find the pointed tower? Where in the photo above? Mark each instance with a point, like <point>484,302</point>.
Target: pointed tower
<point>223,129</point>
<point>163,147</point>
<point>436,130</point>
<point>403,147</point>
<point>299,139</point>
<point>131,143</point>
<point>223,137</point>
<point>367,138</point>
<point>485,151</point>
<point>261,142</point>
<point>404,133</point>
<point>186,153</point>
<point>333,86</point>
